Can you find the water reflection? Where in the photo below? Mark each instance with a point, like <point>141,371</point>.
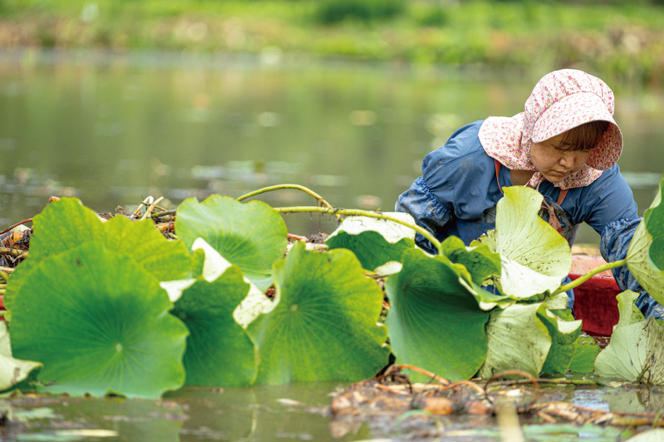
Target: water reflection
<point>113,128</point>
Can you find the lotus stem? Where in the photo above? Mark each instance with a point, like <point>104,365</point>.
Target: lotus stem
<point>304,189</point>
<point>356,212</point>
<point>580,280</point>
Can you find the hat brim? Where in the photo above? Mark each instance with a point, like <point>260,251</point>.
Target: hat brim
<point>575,110</point>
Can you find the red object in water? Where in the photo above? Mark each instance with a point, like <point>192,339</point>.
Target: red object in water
<point>595,300</point>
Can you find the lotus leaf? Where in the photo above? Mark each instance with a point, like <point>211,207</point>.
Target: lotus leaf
<point>534,257</point>
<point>480,261</point>
<point>250,235</point>
<point>585,353</point>
<point>635,353</point>
<point>656,435</point>
<point>12,371</point>
<point>434,321</point>
<point>374,241</point>
<point>564,332</point>
<point>517,339</point>
<point>219,351</point>
<point>645,257</point>
<point>99,323</point>
<point>66,224</point>
<point>324,326</point>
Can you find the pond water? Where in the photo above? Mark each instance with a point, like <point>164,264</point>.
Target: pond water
<point>293,413</point>
<point>112,129</point>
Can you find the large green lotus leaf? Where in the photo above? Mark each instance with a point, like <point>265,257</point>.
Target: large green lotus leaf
<point>66,224</point>
<point>434,321</point>
<point>517,340</point>
<point>324,326</point>
<point>480,261</point>
<point>99,323</point>
<point>12,370</point>
<point>635,353</point>
<point>535,258</point>
<point>564,332</point>
<point>374,241</point>
<point>645,257</point>
<point>219,351</point>
<point>250,235</point>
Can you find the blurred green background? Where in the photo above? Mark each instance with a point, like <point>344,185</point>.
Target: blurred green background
<point>114,100</point>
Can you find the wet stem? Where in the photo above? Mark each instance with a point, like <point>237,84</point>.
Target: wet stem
<point>580,280</point>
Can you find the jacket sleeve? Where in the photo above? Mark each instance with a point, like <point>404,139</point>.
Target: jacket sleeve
<point>454,185</point>
<point>616,219</point>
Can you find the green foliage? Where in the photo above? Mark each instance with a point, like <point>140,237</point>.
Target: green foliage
<point>543,260</point>
<point>373,241</point>
<point>12,370</point>
<point>646,251</point>
<point>635,352</point>
<point>434,321</point>
<point>250,235</point>
<point>335,11</point>
<point>324,320</point>
<point>96,332</point>
<point>219,351</point>
<point>478,259</point>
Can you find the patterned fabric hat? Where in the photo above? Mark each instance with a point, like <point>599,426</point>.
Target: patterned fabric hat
<point>560,101</point>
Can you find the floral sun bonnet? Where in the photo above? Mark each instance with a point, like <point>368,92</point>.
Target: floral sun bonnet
<point>560,101</point>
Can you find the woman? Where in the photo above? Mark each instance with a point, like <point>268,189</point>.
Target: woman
<point>565,144</point>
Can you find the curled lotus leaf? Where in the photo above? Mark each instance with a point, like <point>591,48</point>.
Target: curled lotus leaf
<point>645,257</point>
<point>250,235</point>
<point>12,370</point>
<point>635,353</point>
<point>96,332</point>
<point>535,258</point>
<point>219,351</point>
<point>478,259</point>
<point>434,321</point>
<point>324,326</point>
<point>374,241</point>
<point>517,340</point>
<point>66,224</point>
<point>564,332</point>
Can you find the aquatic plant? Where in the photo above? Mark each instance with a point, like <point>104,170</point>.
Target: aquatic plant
<point>114,307</point>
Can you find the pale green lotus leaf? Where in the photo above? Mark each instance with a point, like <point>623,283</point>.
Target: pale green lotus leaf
<point>635,353</point>
<point>478,259</point>
<point>374,241</point>
<point>629,312</point>
<point>656,435</point>
<point>66,224</point>
<point>564,332</point>
<point>434,321</point>
<point>517,340</point>
<point>100,324</point>
<point>12,370</point>
<point>534,257</point>
<point>324,326</point>
<point>219,351</point>
<point>249,235</point>
<point>645,257</point>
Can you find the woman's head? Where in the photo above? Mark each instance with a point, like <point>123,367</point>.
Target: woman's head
<point>558,157</point>
<point>567,108</point>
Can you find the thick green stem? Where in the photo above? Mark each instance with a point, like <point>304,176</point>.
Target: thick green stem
<point>304,189</point>
<point>580,280</point>
<point>355,212</point>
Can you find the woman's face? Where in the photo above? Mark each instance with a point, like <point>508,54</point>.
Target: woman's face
<point>554,160</point>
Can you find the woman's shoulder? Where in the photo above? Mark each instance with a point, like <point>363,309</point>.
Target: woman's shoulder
<point>461,153</point>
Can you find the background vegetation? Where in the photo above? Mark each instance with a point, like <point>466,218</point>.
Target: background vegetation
<point>622,41</point>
